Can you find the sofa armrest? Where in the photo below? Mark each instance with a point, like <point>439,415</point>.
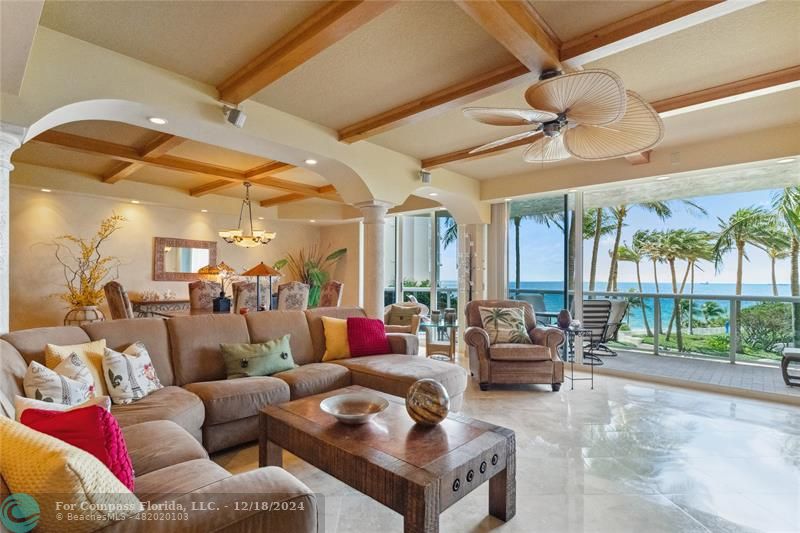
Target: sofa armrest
<point>550,337</point>
<point>266,499</point>
<point>477,338</point>
<point>403,343</point>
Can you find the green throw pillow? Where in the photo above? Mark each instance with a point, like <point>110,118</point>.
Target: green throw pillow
<point>262,359</point>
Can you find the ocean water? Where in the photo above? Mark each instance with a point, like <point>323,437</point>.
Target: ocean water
<point>555,302</point>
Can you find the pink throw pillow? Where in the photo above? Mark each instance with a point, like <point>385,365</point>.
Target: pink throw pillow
<point>92,429</point>
<point>367,336</point>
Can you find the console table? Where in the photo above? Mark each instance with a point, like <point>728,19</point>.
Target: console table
<point>145,308</point>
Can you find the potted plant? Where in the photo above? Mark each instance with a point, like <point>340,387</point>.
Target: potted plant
<point>310,265</point>
<point>86,271</point>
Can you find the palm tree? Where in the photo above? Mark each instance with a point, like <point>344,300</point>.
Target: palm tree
<point>786,206</point>
<point>748,225</point>
<point>599,220</point>
<point>711,310</point>
<point>777,245</point>
<point>633,254</point>
<point>449,229</point>
<point>663,210</point>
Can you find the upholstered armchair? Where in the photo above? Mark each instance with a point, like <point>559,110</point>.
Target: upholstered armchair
<point>293,296</point>
<point>244,295</point>
<point>331,295</point>
<point>403,318</point>
<point>118,302</point>
<point>536,363</point>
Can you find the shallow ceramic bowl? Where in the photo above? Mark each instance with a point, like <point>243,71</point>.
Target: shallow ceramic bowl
<point>354,407</point>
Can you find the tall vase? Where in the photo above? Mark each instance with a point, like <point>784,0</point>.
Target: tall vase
<point>85,314</point>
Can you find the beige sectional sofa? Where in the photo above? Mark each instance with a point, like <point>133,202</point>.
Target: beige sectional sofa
<point>198,405</point>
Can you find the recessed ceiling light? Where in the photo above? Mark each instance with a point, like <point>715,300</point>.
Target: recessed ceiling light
<point>311,161</point>
<point>47,190</point>
<point>312,220</point>
<point>260,218</point>
<point>433,194</point>
<point>572,190</point>
<point>204,210</point>
<point>662,178</point>
<point>507,200</point>
<point>157,120</point>
<point>787,160</point>
<point>134,201</point>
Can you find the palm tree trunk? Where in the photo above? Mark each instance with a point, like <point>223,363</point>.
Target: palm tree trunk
<point>774,281</point>
<point>517,261</point>
<point>598,228</point>
<point>795,282</point>
<point>657,324</point>
<point>676,309</point>
<point>647,329</point>
<point>571,253</point>
<point>691,304</point>
<point>612,270</point>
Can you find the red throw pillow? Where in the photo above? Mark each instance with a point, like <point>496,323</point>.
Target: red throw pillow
<point>92,429</point>
<point>367,336</point>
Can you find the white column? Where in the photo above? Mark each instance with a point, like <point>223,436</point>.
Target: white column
<point>374,225</point>
<point>471,270</point>
<point>497,253</point>
<point>10,139</point>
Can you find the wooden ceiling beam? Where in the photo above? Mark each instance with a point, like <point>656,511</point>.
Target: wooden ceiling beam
<point>769,82</point>
<point>436,102</point>
<point>643,27</point>
<point>330,24</point>
<point>519,28</point>
<point>219,185</point>
<point>465,155</point>
<point>160,145</point>
<point>756,85</point>
<point>285,199</point>
<point>639,158</point>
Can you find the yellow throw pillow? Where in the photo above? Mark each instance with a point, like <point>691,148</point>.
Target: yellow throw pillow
<point>336,345</point>
<point>90,353</point>
<point>52,471</point>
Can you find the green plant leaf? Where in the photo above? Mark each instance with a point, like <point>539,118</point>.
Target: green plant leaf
<point>336,255</point>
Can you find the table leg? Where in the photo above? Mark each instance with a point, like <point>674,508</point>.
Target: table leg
<point>269,453</point>
<point>503,487</point>
<point>422,509</point>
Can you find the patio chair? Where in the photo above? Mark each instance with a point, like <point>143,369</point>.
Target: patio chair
<point>604,319</point>
<point>537,302</point>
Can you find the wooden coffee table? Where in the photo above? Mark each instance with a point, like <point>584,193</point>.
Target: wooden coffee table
<point>418,472</point>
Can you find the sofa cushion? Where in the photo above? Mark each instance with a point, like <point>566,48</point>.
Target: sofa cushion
<point>518,352</point>
<point>232,399</point>
<point>315,378</point>
<point>268,325</point>
<point>12,372</point>
<point>152,332</point>
<point>395,373</point>
<point>31,342</point>
<point>170,403</point>
<point>194,343</point>
<point>178,479</point>
<point>160,443</point>
<point>317,330</point>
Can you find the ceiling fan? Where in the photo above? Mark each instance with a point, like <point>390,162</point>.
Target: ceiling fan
<point>586,114</point>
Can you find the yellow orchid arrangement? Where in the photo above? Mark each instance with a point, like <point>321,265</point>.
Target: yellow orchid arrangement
<point>85,269</point>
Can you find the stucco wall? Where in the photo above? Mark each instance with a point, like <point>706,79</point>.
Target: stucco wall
<point>347,270</point>
<point>38,217</point>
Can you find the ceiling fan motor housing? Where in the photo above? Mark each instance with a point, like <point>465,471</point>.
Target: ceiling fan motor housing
<point>554,127</point>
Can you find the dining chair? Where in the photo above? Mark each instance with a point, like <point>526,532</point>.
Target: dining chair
<point>293,296</point>
<point>202,294</point>
<point>118,302</point>
<point>244,295</point>
<point>331,295</point>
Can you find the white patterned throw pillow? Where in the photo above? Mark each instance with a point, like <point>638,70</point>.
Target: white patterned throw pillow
<point>505,324</point>
<point>69,383</point>
<point>130,374</point>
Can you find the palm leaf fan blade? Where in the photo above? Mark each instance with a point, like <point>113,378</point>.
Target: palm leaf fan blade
<point>639,130</point>
<point>504,140</point>
<point>546,150</point>
<point>595,96</point>
<point>497,116</point>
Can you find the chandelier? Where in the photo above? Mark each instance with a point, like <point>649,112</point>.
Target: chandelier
<point>237,236</point>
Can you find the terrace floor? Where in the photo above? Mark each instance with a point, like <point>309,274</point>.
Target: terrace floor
<point>760,381</point>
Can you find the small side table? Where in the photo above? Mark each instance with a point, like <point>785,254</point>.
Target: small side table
<point>443,351</point>
<point>569,352</point>
<point>790,355</point>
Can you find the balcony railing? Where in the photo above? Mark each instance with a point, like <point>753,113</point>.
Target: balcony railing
<point>447,297</point>
<point>746,328</point>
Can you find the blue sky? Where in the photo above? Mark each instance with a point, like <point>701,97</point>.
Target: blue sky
<point>541,248</point>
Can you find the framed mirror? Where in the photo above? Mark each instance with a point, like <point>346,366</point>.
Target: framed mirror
<point>180,259</point>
